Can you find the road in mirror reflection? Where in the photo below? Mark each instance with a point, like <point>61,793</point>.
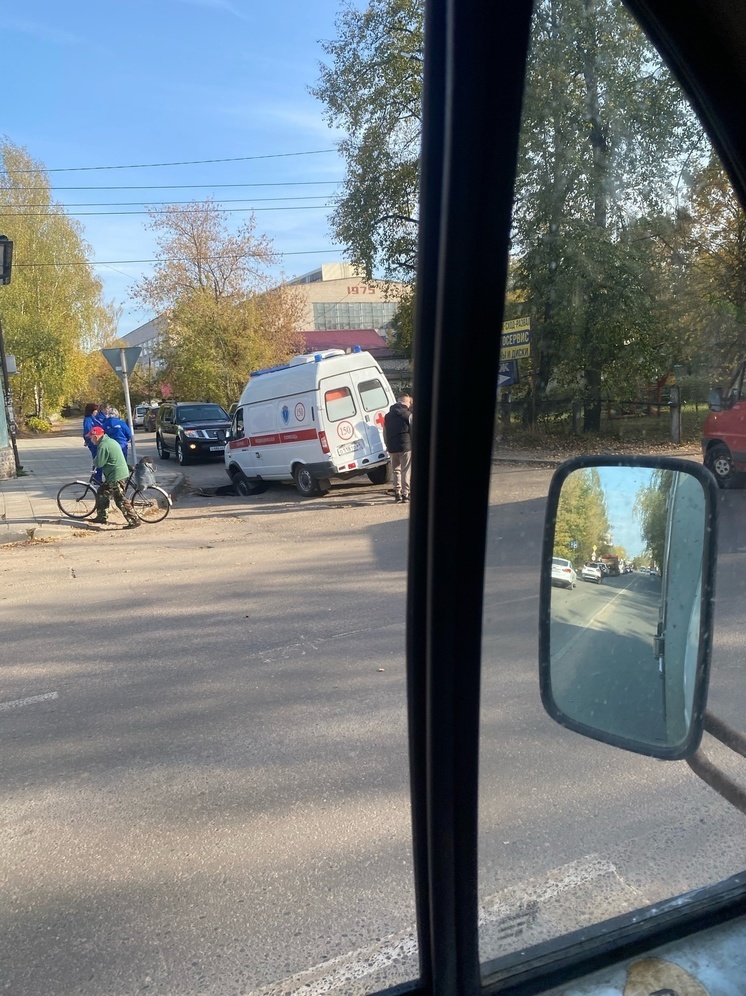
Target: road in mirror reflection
<point>602,663</point>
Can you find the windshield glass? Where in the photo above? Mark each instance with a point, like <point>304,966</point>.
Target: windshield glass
<point>202,413</point>
<point>624,284</point>
<point>205,758</point>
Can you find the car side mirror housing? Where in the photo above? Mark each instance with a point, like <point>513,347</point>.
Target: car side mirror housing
<point>715,400</point>
<point>627,662</point>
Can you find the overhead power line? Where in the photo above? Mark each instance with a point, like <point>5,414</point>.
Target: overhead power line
<point>191,186</point>
<point>113,214</point>
<point>191,162</point>
<point>235,200</point>
<point>174,259</point>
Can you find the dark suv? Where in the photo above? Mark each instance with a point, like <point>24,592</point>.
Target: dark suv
<point>190,429</point>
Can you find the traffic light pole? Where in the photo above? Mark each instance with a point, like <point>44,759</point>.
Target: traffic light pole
<point>8,402</point>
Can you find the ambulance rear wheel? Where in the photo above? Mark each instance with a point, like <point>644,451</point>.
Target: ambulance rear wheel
<point>305,482</point>
<point>380,475</point>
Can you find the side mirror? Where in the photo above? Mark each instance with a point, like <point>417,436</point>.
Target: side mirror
<point>627,661</point>
<point>715,400</point>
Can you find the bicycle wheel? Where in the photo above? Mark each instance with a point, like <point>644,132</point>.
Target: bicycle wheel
<point>77,500</point>
<point>152,504</point>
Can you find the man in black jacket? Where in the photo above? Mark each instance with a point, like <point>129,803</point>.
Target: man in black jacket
<point>397,434</point>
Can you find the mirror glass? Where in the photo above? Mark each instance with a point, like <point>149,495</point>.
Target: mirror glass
<point>625,614</point>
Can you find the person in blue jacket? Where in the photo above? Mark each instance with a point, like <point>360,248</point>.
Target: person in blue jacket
<point>92,415</point>
<point>118,429</point>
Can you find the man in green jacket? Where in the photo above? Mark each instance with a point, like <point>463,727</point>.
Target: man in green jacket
<point>110,459</point>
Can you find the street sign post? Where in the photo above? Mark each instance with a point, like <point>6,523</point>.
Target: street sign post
<point>122,361</point>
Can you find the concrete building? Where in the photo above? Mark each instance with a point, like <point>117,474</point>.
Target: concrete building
<point>338,298</point>
<point>146,336</point>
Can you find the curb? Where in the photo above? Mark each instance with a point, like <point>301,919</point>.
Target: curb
<point>36,530</point>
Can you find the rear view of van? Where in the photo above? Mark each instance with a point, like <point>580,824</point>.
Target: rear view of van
<point>315,419</point>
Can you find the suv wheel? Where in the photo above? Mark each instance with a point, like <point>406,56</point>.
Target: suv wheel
<point>181,454</point>
<point>162,451</point>
<point>720,462</point>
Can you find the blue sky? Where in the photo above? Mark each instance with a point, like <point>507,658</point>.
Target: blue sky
<point>621,486</point>
<point>135,82</point>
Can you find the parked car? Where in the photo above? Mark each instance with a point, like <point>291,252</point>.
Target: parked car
<point>190,429</point>
<point>723,435</point>
<point>563,573</point>
<point>138,414</point>
<point>592,572</point>
<point>149,419</point>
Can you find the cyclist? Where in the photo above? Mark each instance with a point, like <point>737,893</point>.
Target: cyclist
<point>110,459</point>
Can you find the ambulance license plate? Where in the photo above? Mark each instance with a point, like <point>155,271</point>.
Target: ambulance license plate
<point>357,444</point>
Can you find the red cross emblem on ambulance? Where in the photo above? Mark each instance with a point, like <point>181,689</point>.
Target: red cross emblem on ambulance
<point>379,420</point>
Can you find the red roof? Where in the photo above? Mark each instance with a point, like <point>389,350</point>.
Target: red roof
<point>367,339</point>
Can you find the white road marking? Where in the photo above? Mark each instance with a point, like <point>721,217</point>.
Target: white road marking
<point>17,703</point>
<point>508,908</point>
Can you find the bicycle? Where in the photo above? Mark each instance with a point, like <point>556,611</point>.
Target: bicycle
<point>77,500</point>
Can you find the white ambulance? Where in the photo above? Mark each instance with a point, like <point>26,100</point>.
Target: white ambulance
<point>317,417</point>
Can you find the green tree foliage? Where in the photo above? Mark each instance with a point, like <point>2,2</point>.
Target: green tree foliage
<point>52,311</point>
<point>651,508</point>
<point>582,527</point>
<point>219,318</point>
<point>607,137</point>
<point>402,324</point>
<point>711,237</point>
<point>606,132</point>
<point>372,90</point>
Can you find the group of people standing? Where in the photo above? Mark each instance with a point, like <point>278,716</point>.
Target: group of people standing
<point>107,436</point>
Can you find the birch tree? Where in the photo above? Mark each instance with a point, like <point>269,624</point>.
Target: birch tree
<point>53,310</point>
<point>220,317</point>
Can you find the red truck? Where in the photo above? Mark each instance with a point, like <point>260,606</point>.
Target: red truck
<point>724,431</point>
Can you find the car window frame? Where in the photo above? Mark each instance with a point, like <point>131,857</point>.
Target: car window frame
<point>474,70</point>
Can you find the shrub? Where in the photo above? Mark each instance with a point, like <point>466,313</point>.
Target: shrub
<point>36,424</point>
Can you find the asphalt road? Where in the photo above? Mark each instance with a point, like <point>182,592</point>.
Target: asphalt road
<point>205,772</point>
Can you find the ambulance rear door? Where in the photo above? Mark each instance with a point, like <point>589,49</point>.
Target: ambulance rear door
<point>343,418</point>
<point>376,397</point>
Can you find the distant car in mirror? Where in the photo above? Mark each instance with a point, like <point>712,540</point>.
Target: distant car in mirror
<point>634,671</point>
<point>563,573</point>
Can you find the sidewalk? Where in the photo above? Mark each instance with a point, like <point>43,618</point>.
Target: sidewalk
<point>28,506</point>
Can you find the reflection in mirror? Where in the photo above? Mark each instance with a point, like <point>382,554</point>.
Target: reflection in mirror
<point>624,644</point>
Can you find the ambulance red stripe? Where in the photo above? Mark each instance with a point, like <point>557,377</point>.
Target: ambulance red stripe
<point>274,438</point>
